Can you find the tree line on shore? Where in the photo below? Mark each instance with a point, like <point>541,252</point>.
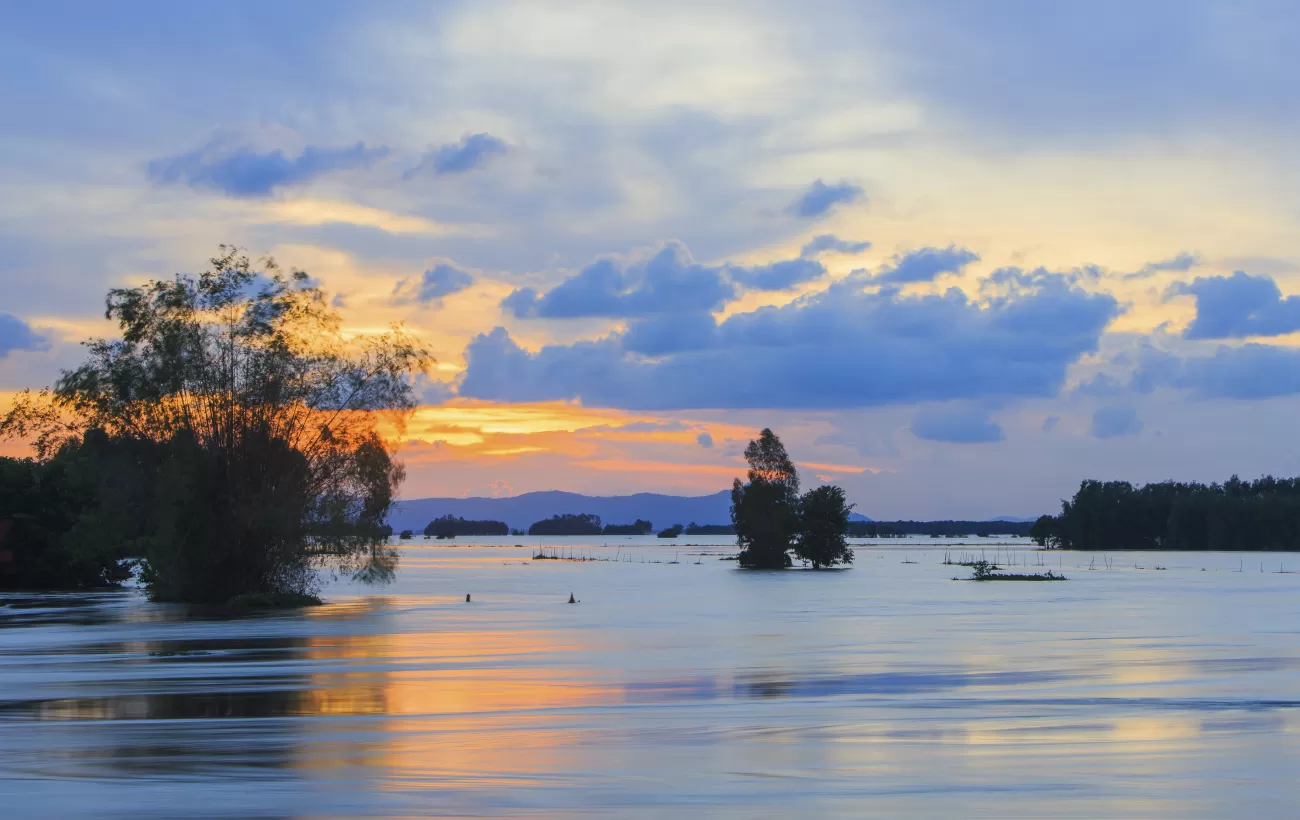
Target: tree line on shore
<point>590,525</point>
<point>1233,516</point>
<point>937,529</point>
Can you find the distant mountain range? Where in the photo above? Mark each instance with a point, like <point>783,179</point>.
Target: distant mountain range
<point>522,510</point>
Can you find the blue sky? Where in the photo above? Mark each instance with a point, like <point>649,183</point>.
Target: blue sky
<point>959,255</point>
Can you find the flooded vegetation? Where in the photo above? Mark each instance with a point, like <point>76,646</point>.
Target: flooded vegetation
<point>688,686</point>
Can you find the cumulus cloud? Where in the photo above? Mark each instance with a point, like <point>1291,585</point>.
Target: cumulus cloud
<point>1102,385</point>
<point>778,275</point>
<point>443,279</point>
<point>704,440</point>
<point>457,157</point>
<point>15,334</point>
<point>820,198</point>
<point>1183,262</point>
<point>666,281</point>
<point>1115,420</point>
<point>661,335</point>
<point>1049,423</point>
<point>1232,307</point>
<point>436,393</point>
<point>830,243</point>
<point>965,425</point>
<point>926,264</point>
<point>845,347</point>
<point>1251,371</point>
<point>245,172</point>
<point>669,281</point>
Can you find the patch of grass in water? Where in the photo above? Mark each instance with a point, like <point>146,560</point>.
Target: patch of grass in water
<point>984,571</point>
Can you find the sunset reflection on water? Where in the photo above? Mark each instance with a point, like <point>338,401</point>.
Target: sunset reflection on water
<point>686,687</point>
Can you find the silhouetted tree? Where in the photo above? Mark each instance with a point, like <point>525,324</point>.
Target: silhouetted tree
<point>823,521</point>
<point>71,521</point>
<point>264,422</point>
<point>1044,531</point>
<point>450,526</point>
<point>639,527</point>
<point>1236,515</point>
<point>764,511</point>
<point>672,532</point>
<point>937,529</point>
<point>567,524</point>
<point>710,529</point>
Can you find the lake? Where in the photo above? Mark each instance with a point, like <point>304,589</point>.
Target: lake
<point>678,684</point>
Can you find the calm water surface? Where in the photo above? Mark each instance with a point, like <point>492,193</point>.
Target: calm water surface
<point>688,687</point>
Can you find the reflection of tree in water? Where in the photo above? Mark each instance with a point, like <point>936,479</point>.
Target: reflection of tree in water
<point>195,706</point>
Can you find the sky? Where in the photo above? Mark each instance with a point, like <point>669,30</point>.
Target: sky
<point>959,256</point>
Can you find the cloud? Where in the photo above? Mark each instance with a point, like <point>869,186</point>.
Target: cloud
<point>1231,307</point>
<point>828,242</point>
<point>661,335</point>
<point>443,279</point>
<point>668,281</point>
<point>869,443</point>
<point>704,440</point>
<point>1007,67</point>
<point>1102,386</point>
<point>778,275</point>
<point>664,281</point>
<point>1183,262</point>
<point>15,334</point>
<point>1049,423</point>
<point>458,157</point>
<point>436,393</point>
<point>247,173</point>
<point>844,347</point>
<point>926,264</point>
<point>968,425</point>
<point>820,198</point>
<point>1251,371</point>
<point>1115,420</point>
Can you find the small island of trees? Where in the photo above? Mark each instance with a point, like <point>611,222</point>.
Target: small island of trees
<point>638,527</point>
<point>450,526</point>
<point>568,524</point>
<point>772,520</point>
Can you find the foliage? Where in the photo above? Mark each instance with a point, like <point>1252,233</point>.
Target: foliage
<point>1044,531</point>
<point>406,535</point>
<point>450,525</point>
<point>672,532</point>
<point>567,524</point>
<point>709,529</point>
<point>639,527</point>
<point>262,420</point>
<point>938,529</point>
<point>823,519</point>
<point>1236,515</point>
<point>52,530</point>
<point>764,511</point>
<point>985,571</point>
